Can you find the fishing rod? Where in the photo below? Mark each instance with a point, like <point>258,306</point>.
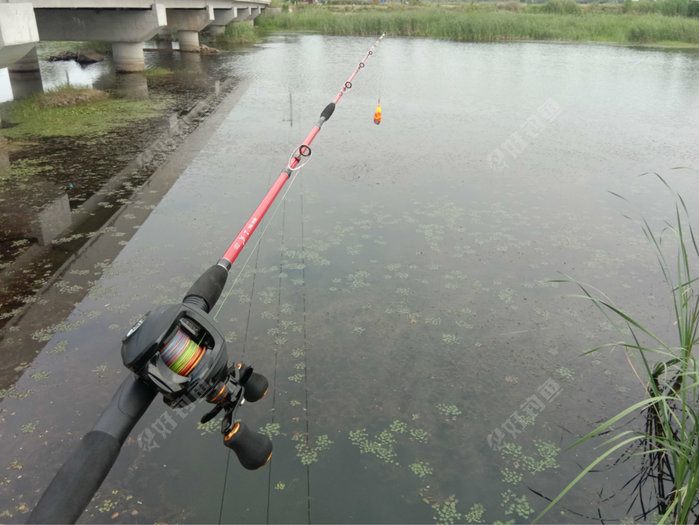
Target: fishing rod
<point>177,351</point>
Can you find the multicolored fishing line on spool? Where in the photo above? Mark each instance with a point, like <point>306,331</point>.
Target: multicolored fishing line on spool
<point>181,354</point>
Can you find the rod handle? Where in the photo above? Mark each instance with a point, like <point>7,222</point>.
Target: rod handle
<point>81,475</point>
<point>79,478</point>
<point>207,289</point>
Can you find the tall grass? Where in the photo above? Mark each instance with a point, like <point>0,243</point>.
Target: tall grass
<point>238,33</point>
<point>668,446</point>
<point>478,23</point>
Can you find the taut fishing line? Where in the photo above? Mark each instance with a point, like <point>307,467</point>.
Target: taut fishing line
<point>257,244</point>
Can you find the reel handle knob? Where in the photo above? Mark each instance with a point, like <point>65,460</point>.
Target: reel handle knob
<point>255,387</point>
<point>253,450</point>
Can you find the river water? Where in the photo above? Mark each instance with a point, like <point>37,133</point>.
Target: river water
<point>402,299</point>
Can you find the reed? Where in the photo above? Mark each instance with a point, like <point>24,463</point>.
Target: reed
<point>558,20</point>
<point>668,447</point>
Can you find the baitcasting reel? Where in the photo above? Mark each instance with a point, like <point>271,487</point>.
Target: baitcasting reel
<point>179,350</point>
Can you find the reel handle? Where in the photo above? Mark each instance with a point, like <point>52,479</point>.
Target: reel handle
<point>255,387</point>
<point>253,450</point>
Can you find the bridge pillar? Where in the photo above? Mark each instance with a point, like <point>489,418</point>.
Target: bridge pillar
<point>134,86</point>
<point>25,76</point>
<point>189,41</point>
<point>18,32</point>
<point>188,23</point>
<point>128,56</point>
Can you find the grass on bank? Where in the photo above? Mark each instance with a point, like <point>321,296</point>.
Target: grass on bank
<point>667,449</point>
<point>240,33</point>
<point>71,111</point>
<point>481,22</point>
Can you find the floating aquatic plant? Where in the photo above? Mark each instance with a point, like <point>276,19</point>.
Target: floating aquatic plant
<point>100,370</point>
<point>450,339</point>
<point>475,514</point>
<point>418,434</point>
<point>297,378</point>
<point>546,457</point>
<point>446,511</point>
<point>398,426</point>
<point>514,504</point>
<point>565,373</point>
<point>450,411</point>
<point>270,430</point>
<point>421,469</point>
<point>511,476</point>
<point>210,427</point>
<point>28,428</point>
<point>41,375</point>
<point>308,453</point>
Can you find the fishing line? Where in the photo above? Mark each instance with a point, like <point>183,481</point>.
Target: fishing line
<point>181,354</point>
<point>305,351</point>
<point>276,348</point>
<point>259,240</point>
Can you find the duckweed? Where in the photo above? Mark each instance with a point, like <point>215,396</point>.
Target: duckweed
<point>421,469</point>
<point>270,430</point>
<point>446,511</point>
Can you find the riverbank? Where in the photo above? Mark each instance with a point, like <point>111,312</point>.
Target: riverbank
<point>496,22</point>
<point>66,169</point>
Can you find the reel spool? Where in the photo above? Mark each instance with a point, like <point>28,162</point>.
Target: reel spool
<point>179,350</point>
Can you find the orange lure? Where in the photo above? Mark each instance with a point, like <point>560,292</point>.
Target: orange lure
<point>377,114</point>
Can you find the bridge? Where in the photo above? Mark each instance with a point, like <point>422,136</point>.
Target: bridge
<point>127,24</point>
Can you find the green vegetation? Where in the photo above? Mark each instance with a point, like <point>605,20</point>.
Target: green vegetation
<point>239,33</point>
<point>490,22</point>
<point>669,444</point>
<point>71,112</point>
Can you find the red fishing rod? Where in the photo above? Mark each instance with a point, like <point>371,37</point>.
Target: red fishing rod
<point>177,351</point>
<point>304,150</point>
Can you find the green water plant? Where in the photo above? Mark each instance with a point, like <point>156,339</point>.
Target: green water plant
<point>668,446</point>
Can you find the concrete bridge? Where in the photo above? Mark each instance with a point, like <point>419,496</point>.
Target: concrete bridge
<point>127,24</point>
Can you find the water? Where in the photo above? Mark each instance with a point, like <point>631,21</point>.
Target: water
<point>400,299</point>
